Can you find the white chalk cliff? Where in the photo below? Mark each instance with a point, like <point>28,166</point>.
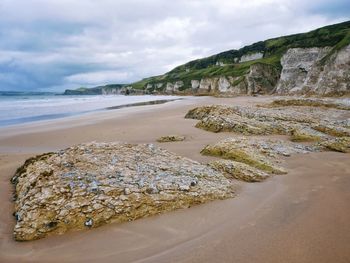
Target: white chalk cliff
<point>305,71</point>
<point>309,71</point>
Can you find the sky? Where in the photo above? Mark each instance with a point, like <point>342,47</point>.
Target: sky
<point>53,45</point>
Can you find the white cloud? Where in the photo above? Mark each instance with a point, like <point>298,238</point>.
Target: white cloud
<point>98,77</point>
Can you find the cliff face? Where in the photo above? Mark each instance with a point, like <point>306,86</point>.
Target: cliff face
<point>304,71</point>
<point>100,90</point>
<point>260,79</point>
<point>313,63</point>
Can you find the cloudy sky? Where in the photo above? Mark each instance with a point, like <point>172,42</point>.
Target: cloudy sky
<point>51,45</point>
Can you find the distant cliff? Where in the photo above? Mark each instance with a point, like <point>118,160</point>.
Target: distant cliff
<point>313,63</point>
<point>100,90</point>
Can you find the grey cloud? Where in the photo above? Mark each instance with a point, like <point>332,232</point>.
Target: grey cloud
<point>57,44</point>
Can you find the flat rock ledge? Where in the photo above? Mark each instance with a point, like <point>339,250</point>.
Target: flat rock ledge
<point>253,160</point>
<point>317,120</point>
<point>311,102</point>
<point>240,171</point>
<point>92,184</point>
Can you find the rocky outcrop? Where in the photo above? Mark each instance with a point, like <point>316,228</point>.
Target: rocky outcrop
<point>321,122</point>
<point>108,91</point>
<point>195,85</point>
<point>208,85</point>
<point>333,78</point>
<point>257,153</point>
<point>248,120</point>
<point>254,160</point>
<point>224,85</point>
<point>341,144</point>
<point>171,138</point>
<point>311,120</point>
<point>262,79</point>
<point>310,71</point>
<point>240,171</point>
<point>327,103</point>
<point>172,88</point>
<point>251,56</point>
<point>92,184</point>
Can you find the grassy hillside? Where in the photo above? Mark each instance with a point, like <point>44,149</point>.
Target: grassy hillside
<point>336,36</point>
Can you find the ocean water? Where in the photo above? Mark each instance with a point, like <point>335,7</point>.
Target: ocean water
<point>31,108</point>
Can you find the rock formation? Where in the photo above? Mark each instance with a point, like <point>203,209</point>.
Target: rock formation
<point>318,121</point>
<point>251,56</point>
<point>305,72</point>
<point>261,154</point>
<point>171,138</point>
<point>88,185</point>
<point>321,122</point>
<point>312,63</point>
<point>319,71</point>
<point>240,171</point>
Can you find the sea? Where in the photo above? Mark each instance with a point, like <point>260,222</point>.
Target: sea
<point>26,108</point>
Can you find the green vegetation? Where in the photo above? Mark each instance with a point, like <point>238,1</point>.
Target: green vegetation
<point>336,36</point>
<point>94,91</point>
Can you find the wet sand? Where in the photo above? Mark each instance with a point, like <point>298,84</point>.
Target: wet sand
<point>303,216</point>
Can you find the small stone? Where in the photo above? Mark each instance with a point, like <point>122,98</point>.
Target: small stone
<point>18,217</point>
<point>89,222</point>
<point>123,197</point>
<point>171,138</point>
<point>94,186</point>
<point>184,188</point>
<point>127,191</point>
<point>152,190</point>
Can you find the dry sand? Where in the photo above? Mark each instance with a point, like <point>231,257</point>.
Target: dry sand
<point>303,216</point>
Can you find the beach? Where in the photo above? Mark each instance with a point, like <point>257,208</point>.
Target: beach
<point>302,216</point>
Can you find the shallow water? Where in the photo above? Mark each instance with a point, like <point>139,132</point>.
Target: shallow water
<point>24,109</point>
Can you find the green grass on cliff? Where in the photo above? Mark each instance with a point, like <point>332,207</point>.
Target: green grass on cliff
<point>336,36</point>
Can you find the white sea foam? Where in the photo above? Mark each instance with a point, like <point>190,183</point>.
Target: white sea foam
<point>19,109</point>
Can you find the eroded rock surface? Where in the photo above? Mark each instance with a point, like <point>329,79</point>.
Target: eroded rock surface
<point>321,122</point>
<point>171,138</point>
<point>341,144</point>
<point>262,154</point>
<point>240,171</point>
<point>89,185</point>
<point>318,120</point>
<point>312,102</point>
<point>309,71</point>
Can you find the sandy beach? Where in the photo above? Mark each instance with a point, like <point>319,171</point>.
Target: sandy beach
<point>299,217</point>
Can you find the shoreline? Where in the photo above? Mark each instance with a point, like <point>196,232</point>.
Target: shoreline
<point>55,116</point>
<point>299,216</point>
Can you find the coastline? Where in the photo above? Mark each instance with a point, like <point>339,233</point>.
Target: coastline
<point>302,216</point>
<point>25,110</point>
